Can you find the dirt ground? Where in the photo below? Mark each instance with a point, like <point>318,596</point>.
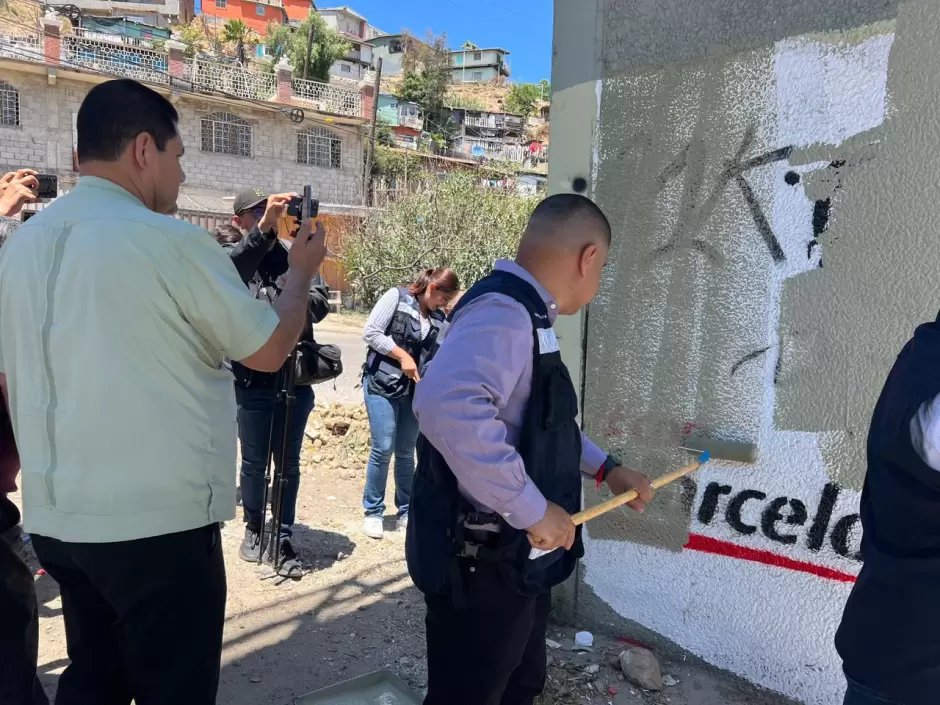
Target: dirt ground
<point>355,611</point>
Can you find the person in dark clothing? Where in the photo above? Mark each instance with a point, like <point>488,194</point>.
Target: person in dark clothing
<point>889,638</point>
<point>498,463</point>
<point>402,336</point>
<point>261,260</point>
<point>19,611</point>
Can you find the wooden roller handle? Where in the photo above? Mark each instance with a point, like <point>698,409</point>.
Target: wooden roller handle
<point>621,499</point>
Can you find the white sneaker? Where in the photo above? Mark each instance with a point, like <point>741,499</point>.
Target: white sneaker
<point>373,527</point>
<point>403,523</point>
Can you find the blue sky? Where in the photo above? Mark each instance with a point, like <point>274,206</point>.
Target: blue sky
<point>522,27</point>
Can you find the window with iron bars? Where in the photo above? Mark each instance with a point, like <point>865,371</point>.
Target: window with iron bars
<point>9,105</point>
<point>317,146</point>
<point>224,133</point>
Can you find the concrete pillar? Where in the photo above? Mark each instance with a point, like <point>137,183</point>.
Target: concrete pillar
<point>52,40</point>
<point>177,59</point>
<point>285,89</point>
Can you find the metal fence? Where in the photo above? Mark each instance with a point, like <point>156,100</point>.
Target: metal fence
<point>327,98</point>
<point>115,58</point>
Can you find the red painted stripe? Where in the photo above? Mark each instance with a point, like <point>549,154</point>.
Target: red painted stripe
<point>733,550</point>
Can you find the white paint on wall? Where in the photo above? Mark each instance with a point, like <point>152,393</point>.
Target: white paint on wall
<point>772,625</point>
<point>595,153</point>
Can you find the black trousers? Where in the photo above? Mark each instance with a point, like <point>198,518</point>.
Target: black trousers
<point>143,618</point>
<point>19,618</point>
<point>489,650</point>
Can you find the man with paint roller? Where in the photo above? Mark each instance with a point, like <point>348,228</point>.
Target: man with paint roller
<point>498,464</point>
<point>889,638</point>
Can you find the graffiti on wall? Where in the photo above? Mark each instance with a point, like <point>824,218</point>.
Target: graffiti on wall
<point>737,208</point>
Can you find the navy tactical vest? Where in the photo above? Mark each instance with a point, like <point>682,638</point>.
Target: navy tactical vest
<point>550,446</point>
<point>382,372</point>
<point>889,638</point>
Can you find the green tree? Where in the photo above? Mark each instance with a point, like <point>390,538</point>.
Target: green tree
<point>522,99</point>
<point>384,135</point>
<point>193,36</point>
<point>454,222</point>
<point>427,80</point>
<point>235,31</point>
<point>277,40</point>
<point>328,46</point>
<point>469,46</point>
<point>240,36</point>
<point>545,86</point>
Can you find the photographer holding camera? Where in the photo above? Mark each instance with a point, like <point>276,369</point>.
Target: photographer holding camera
<point>17,188</point>
<point>261,260</point>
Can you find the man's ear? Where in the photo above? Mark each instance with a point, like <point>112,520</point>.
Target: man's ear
<point>143,146</point>
<point>589,253</point>
<point>237,222</point>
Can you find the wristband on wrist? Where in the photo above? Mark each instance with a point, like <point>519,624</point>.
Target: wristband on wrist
<point>609,464</point>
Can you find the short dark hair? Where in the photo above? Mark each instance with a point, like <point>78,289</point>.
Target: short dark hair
<point>226,234</point>
<point>115,112</point>
<point>564,206</point>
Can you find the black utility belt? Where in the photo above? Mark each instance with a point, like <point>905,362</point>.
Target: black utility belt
<point>480,534</point>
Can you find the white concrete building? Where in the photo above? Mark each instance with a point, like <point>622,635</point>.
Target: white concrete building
<point>231,142</point>
<point>354,28</point>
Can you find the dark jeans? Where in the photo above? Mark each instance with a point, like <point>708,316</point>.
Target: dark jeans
<point>394,429</point>
<point>490,651</point>
<point>256,406</point>
<point>19,618</point>
<point>143,618</point>
<point>858,694</point>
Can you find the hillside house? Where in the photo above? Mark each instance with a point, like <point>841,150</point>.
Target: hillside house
<point>404,118</point>
<point>489,135</point>
<point>353,28</point>
<point>479,65</point>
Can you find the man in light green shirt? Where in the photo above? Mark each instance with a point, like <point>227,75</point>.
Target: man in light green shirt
<point>114,322</point>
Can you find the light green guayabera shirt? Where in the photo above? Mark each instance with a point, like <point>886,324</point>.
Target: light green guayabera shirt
<point>114,322</point>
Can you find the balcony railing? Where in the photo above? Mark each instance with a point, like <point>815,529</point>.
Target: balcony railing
<point>413,121</point>
<point>232,79</point>
<point>327,98</point>
<point>202,75</point>
<point>115,58</point>
<point>494,150</point>
<point>21,46</point>
<point>489,121</point>
<point>115,38</point>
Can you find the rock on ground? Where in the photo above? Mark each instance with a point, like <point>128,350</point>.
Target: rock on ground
<point>640,666</point>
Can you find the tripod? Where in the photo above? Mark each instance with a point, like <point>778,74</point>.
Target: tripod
<point>286,384</point>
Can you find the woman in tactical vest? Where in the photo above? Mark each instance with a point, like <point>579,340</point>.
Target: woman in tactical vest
<point>401,334</point>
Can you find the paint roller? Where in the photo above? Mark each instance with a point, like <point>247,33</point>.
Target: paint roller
<point>706,448</point>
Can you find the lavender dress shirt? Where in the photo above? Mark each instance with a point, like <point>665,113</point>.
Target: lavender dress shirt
<point>471,402</point>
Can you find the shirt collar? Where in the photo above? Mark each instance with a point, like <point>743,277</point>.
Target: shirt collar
<point>505,265</point>
<point>96,182</point>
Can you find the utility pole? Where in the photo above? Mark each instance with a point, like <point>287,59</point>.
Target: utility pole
<point>367,176</point>
<point>309,49</point>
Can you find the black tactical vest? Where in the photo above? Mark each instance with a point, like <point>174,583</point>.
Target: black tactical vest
<point>383,373</point>
<point>889,638</point>
<point>550,446</point>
